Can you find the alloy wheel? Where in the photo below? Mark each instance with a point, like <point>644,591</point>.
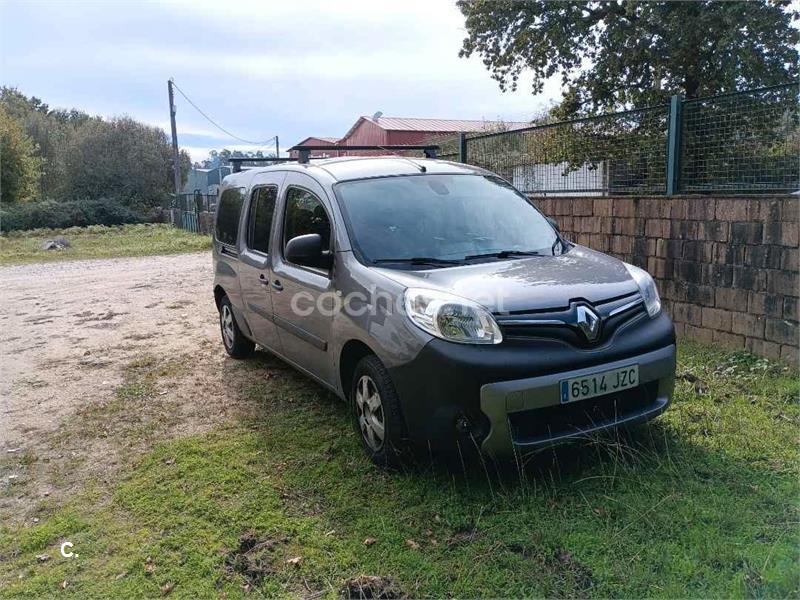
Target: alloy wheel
<point>226,321</point>
<point>371,420</point>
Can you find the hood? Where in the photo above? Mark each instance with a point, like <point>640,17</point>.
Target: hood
<point>528,284</point>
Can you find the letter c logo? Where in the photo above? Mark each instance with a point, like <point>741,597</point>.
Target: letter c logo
<point>64,553</point>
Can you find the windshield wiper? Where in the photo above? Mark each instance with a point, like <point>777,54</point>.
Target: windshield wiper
<point>419,260</point>
<point>504,254</point>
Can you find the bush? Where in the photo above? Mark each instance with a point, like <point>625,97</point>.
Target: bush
<point>60,215</point>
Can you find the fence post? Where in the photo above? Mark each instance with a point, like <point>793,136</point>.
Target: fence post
<point>462,147</point>
<point>674,145</point>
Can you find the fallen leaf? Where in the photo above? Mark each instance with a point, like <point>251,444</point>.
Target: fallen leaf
<point>429,532</point>
<point>294,561</point>
<point>412,544</point>
<point>369,541</point>
<point>167,588</point>
<point>42,557</point>
<point>64,584</point>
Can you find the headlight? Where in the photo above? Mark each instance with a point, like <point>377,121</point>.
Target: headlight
<point>647,287</point>
<point>451,318</point>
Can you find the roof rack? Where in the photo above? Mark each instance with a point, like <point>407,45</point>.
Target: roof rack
<point>304,152</point>
<point>236,161</point>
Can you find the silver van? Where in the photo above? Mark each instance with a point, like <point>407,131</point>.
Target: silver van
<point>439,303</point>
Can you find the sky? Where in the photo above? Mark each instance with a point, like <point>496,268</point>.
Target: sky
<point>259,69</point>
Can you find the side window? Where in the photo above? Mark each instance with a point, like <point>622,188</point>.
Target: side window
<point>262,208</point>
<point>230,207</point>
<point>305,214</point>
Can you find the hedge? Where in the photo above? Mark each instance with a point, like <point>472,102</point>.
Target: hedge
<point>60,215</point>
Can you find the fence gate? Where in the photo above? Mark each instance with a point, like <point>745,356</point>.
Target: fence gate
<point>192,212</point>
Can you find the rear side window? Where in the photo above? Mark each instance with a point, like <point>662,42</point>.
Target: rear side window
<point>262,208</point>
<point>230,207</point>
<point>305,214</point>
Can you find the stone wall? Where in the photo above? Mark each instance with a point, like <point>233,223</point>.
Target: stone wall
<point>726,268</point>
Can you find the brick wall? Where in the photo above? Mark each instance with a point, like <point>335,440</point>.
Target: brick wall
<point>726,268</point>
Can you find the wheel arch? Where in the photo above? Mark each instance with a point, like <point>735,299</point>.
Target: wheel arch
<point>352,352</point>
<point>219,294</point>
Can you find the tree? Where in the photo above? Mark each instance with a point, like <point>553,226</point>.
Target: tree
<point>123,159</point>
<point>51,130</point>
<point>20,166</point>
<point>624,53</point>
<point>222,158</point>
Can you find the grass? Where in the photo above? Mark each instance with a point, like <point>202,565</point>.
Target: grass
<point>701,502</point>
<point>98,241</point>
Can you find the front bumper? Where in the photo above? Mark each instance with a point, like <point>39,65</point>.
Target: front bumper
<point>523,414</point>
<point>488,396</point>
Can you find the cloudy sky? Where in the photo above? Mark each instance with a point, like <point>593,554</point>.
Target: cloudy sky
<point>291,68</point>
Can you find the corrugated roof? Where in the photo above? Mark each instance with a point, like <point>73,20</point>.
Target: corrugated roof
<point>448,125</point>
<point>330,140</point>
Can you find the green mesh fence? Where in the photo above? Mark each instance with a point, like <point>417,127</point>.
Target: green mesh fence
<point>742,143</point>
<point>747,142</point>
<point>617,153</point>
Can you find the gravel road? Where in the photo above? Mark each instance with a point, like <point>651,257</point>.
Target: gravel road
<point>68,330</point>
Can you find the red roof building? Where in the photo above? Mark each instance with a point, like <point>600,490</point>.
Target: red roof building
<point>378,130</point>
<point>318,141</point>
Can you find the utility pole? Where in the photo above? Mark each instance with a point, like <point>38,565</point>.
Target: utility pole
<point>175,154</point>
<point>277,148</point>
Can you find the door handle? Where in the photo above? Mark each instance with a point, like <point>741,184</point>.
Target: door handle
<point>277,285</point>
<point>263,279</point>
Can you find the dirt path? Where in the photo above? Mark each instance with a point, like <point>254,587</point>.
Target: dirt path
<point>68,330</point>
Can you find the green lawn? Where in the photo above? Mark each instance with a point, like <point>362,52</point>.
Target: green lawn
<point>700,503</point>
<point>98,241</point>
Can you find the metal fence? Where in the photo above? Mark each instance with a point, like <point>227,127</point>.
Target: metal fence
<point>188,210</point>
<point>743,143</point>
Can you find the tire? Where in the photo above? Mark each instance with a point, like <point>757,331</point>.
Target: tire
<point>235,342</point>
<point>369,418</point>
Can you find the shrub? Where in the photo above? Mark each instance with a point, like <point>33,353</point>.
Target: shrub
<point>60,215</point>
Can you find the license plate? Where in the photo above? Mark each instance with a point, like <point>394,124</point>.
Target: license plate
<point>598,384</point>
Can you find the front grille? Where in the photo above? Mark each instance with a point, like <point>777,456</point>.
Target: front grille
<point>561,325</point>
<point>559,420</point>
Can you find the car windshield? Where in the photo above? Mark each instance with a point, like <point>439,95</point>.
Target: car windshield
<point>437,219</point>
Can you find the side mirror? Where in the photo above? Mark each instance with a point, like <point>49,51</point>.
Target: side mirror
<point>554,223</point>
<point>306,250</point>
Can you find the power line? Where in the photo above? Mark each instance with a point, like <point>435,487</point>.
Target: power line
<point>217,125</point>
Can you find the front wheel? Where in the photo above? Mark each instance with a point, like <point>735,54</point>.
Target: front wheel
<point>377,415</point>
<point>235,342</point>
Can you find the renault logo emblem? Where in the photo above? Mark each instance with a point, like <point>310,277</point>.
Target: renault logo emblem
<point>588,322</point>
